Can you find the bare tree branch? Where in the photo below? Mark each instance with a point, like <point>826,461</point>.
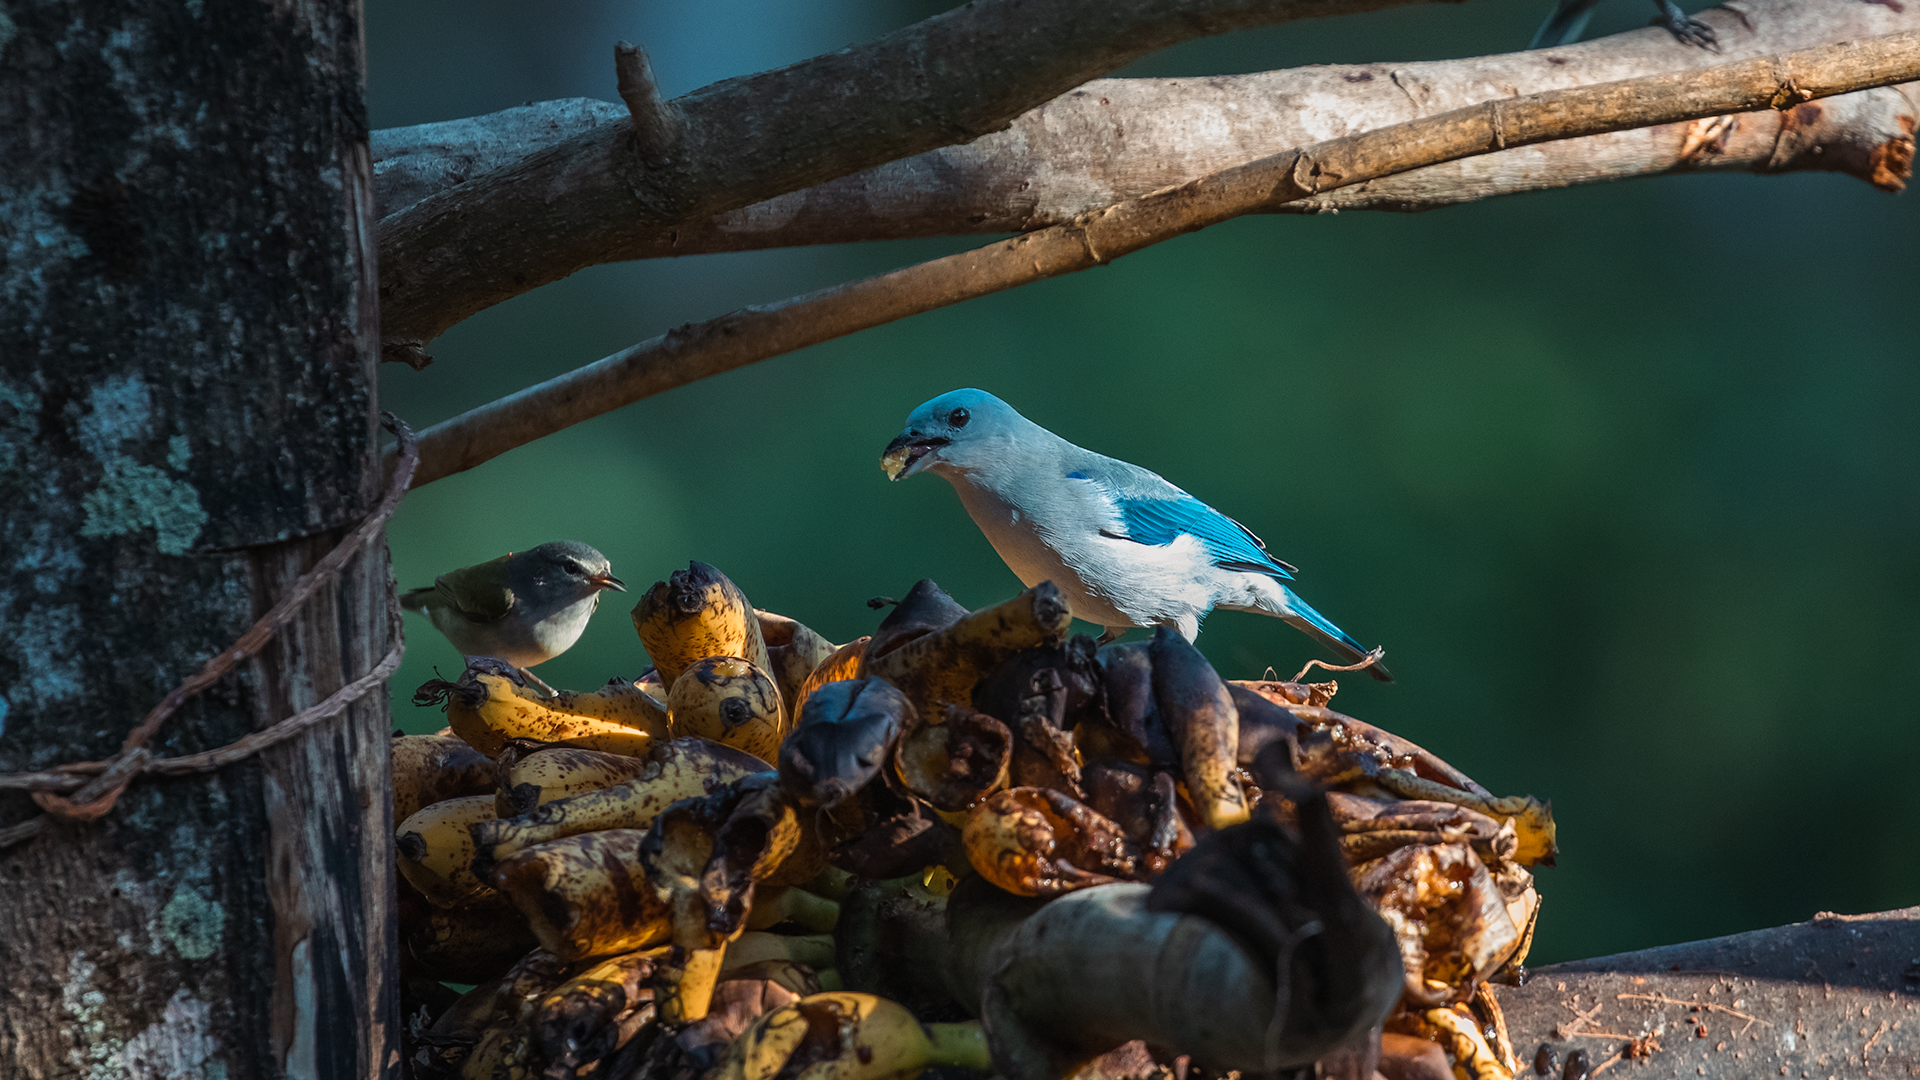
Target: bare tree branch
<point>696,351</point>
<point>947,79</point>
<point>1115,139</point>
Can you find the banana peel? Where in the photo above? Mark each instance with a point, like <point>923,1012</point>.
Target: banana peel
<point>678,769</point>
<point>1448,917</point>
<point>1405,769</point>
<point>849,1036</point>
<point>696,613</point>
<point>587,895</point>
<point>1370,828</point>
<point>436,850</point>
<point>840,665</point>
<point>885,831</point>
<point>1456,1030</point>
<point>1041,842</point>
<point>469,1039</point>
<point>1531,818</point>
<point>955,758</point>
<point>472,943</point>
<point>1199,713</point>
<point>731,701</point>
<point>433,768</point>
<point>843,740</point>
<point>925,609</point>
<point>590,1016</point>
<point>1146,807</point>
<point>793,651</point>
<point>940,668</point>
<point>1387,749</point>
<point>703,858</point>
<point>557,772</point>
<point>488,707</point>
<point>1131,728</point>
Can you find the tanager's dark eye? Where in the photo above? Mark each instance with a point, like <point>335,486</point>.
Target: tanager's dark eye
<point>959,417</point>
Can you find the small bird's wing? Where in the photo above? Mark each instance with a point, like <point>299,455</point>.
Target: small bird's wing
<point>1153,511</point>
<point>479,592</point>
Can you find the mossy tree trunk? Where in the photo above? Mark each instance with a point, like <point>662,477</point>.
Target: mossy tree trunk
<point>187,422</point>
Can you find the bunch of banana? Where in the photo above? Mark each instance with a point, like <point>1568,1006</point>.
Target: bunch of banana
<point>1082,845</point>
<point>670,771</point>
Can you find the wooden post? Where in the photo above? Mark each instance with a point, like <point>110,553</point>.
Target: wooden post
<point>188,334</point>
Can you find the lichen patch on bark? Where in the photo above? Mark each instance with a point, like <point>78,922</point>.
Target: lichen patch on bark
<point>192,924</point>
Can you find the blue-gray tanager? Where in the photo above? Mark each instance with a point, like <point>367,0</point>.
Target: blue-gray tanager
<point>1125,547</point>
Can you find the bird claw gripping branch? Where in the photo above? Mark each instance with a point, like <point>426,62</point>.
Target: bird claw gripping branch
<point>966,841</point>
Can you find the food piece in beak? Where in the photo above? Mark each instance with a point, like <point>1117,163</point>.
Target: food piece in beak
<point>905,451</point>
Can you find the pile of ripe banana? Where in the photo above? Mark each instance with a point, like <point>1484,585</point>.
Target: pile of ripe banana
<point>966,843</point>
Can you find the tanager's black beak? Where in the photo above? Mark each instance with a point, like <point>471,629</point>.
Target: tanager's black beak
<point>906,450</point>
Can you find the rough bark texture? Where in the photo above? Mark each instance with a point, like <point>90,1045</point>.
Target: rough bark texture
<point>738,338</point>
<point>1835,997</point>
<point>1115,139</point>
<point>947,79</point>
<point>187,340</point>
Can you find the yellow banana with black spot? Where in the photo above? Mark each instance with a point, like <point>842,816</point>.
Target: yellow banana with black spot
<point>849,1036</point>
<point>731,701</point>
<point>436,850</point>
<point>487,708</point>
<point>560,771</point>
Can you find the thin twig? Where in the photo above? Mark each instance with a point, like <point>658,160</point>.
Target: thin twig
<point>1607,1064</point>
<point>1697,1004</point>
<point>1373,657</point>
<point>657,123</point>
<point>743,337</point>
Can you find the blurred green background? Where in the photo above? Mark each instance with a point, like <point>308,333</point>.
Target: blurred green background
<point>1626,478</point>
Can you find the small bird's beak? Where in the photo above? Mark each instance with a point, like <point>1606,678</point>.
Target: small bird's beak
<point>905,452</point>
<point>608,581</point>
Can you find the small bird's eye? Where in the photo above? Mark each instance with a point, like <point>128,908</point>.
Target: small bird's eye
<point>959,417</point>
<point>575,568</point>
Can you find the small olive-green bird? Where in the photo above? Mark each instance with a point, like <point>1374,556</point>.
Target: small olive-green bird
<point>525,607</point>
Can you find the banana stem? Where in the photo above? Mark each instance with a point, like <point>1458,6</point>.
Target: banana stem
<point>963,1044</point>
